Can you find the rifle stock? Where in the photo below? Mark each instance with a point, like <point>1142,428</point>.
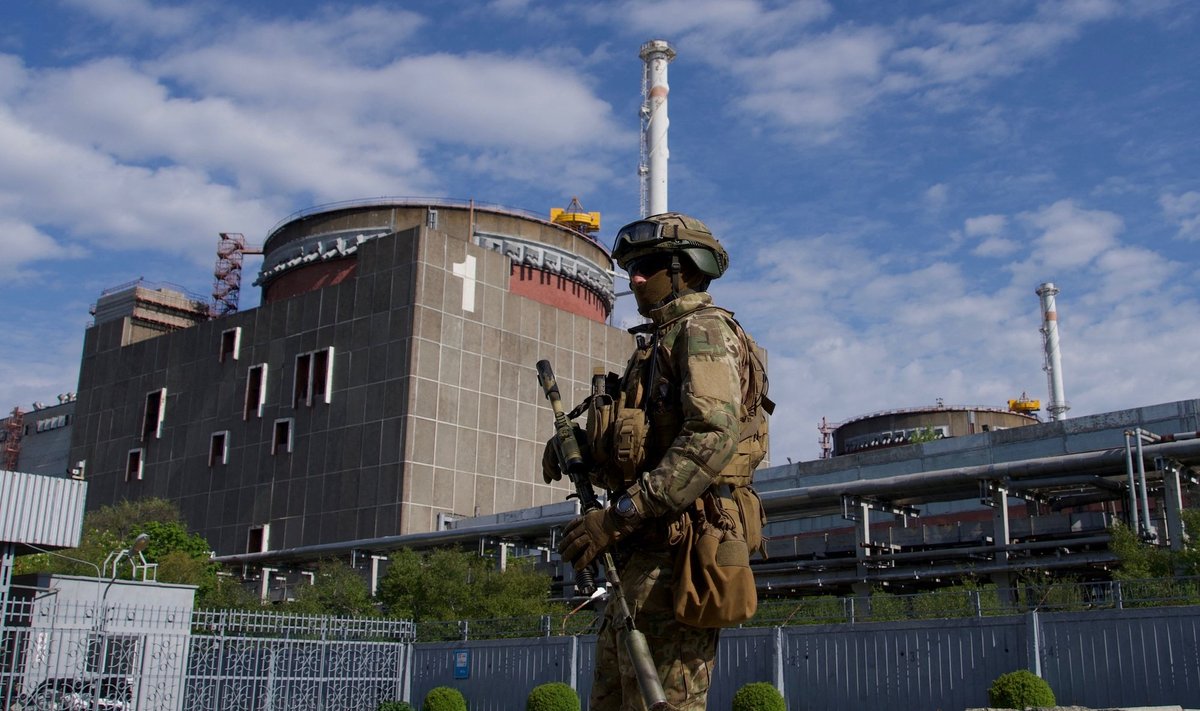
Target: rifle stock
<point>573,464</point>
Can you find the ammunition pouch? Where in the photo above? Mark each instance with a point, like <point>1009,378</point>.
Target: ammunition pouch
<point>629,444</point>
<point>601,413</point>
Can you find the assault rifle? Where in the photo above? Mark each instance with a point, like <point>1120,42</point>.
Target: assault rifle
<point>575,467</point>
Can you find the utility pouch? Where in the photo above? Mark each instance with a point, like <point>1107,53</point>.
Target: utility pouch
<point>629,442</point>
<point>753,518</point>
<point>713,585</point>
<point>601,413</point>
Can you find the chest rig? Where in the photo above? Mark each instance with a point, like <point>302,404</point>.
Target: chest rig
<point>634,418</point>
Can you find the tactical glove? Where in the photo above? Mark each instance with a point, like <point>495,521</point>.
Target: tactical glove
<point>588,535</point>
<point>551,469</point>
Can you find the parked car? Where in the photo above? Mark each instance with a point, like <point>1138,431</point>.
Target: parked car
<point>69,694</point>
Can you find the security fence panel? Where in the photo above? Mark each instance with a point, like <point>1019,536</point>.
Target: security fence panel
<point>1131,657</point>
<point>586,667</point>
<point>908,666</point>
<point>493,675</point>
<point>743,656</point>
<point>264,662</point>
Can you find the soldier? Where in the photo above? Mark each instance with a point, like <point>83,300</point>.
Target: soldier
<point>687,418</point>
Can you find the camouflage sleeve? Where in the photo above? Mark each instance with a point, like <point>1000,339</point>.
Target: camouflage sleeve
<point>708,358</point>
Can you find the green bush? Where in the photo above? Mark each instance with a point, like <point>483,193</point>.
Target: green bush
<point>1019,690</point>
<point>758,696</point>
<point>395,706</point>
<point>444,698</point>
<point>555,696</point>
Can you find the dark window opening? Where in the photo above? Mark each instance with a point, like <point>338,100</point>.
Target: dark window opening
<point>133,465</point>
<point>231,342</point>
<point>314,378</point>
<point>256,391</point>
<point>282,440</point>
<point>257,539</point>
<point>301,395</point>
<point>155,412</point>
<point>218,450</point>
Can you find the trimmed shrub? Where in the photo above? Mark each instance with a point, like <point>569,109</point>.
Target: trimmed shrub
<point>395,706</point>
<point>444,698</point>
<point>758,696</point>
<point>1019,690</point>
<point>554,696</point>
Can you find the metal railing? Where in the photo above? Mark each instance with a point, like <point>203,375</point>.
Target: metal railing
<point>880,606</point>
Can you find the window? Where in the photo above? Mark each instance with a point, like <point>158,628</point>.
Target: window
<point>218,449</point>
<point>258,539</point>
<point>231,343</point>
<point>314,378</point>
<point>133,465</point>
<point>155,413</point>
<point>282,439</point>
<point>256,391</point>
<point>51,423</point>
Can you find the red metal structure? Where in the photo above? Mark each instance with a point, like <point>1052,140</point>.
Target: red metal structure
<point>227,275</point>
<point>14,428</point>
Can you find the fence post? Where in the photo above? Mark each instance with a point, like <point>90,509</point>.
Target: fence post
<point>1118,596</point>
<point>573,661</point>
<point>406,670</point>
<point>777,657</point>
<point>464,629</point>
<point>545,625</point>
<point>1034,642</point>
<point>848,604</point>
<point>976,603</point>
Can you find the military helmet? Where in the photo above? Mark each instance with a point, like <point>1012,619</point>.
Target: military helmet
<point>671,232</point>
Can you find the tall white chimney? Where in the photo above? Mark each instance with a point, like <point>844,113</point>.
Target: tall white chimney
<point>1058,401</point>
<point>652,168</point>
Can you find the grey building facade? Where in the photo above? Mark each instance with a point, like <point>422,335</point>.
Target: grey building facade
<point>390,386</point>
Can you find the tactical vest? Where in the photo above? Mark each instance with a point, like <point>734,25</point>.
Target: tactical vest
<point>633,420</point>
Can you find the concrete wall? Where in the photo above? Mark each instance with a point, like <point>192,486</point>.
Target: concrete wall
<point>433,408</point>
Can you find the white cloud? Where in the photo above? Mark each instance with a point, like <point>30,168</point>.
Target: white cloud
<point>21,244</point>
<point>1072,237</point>
<point>705,21</point>
<point>985,225</point>
<point>1184,211</point>
<point>991,228</point>
<point>935,197</point>
<point>141,15</point>
<point>819,82</point>
<point>49,182</point>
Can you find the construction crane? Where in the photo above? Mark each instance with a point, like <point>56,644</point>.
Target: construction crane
<point>227,275</point>
<point>576,218</point>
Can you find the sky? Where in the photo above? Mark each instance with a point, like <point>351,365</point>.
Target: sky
<point>893,180</point>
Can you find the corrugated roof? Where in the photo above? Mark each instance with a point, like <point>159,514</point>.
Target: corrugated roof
<point>42,510</point>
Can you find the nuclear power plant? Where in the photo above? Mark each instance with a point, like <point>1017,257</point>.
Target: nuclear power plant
<point>383,395</point>
<point>383,387</point>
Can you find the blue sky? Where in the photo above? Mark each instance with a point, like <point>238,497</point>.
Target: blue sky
<point>893,179</point>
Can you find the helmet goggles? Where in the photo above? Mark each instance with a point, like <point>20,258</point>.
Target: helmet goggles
<point>638,234</point>
<point>670,233</point>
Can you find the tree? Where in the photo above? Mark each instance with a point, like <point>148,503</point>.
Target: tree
<point>1141,561</point>
<point>182,557</point>
<point>336,590</point>
<point>449,584</point>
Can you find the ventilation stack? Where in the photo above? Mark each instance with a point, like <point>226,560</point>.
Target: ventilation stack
<point>652,168</point>
<point>1058,401</point>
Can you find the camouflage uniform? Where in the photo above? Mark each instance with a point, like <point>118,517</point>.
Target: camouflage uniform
<point>698,373</point>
